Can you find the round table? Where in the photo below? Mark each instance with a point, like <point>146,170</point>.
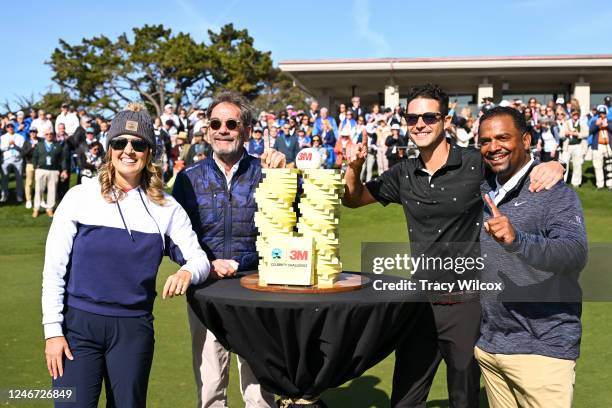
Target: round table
<point>299,345</point>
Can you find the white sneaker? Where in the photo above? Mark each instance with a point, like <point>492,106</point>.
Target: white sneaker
<point>28,205</point>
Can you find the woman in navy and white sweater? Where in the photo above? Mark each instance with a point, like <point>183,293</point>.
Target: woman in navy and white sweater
<point>103,251</point>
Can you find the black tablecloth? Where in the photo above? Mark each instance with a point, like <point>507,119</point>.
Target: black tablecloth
<point>298,345</point>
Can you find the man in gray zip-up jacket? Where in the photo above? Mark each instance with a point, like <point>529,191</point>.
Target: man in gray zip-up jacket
<point>536,246</point>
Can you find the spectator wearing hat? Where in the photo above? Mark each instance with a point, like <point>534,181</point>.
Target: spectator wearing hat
<point>256,147</point>
<point>396,146</point>
<point>290,111</point>
<point>342,144</point>
<point>600,129</point>
<point>48,160</point>
<point>180,149</point>
<point>288,145</point>
<point>27,152</point>
<point>199,149</point>
<point>11,144</point>
<point>574,132</point>
<point>201,123</point>
<point>170,115</point>
<point>69,119</point>
<point>21,126</point>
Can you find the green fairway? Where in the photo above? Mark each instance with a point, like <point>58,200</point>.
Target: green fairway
<point>22,241</point>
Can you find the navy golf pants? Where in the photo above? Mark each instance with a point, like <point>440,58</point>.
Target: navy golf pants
<point>116,349</point>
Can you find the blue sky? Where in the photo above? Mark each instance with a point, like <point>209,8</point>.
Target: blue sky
<point>311,29</point>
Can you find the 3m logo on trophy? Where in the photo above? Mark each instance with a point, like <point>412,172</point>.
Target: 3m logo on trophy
<point>298,255</point>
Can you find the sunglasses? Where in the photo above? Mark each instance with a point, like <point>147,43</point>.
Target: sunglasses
<point>120,143</point>
<point>429,118</point>
<point>230,124</point>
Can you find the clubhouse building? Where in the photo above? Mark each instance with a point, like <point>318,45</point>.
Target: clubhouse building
<point>386,81</point>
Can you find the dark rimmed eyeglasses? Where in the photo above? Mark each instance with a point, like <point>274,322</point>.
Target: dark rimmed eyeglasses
<point>119,143</point>
<point>429,118</point>
<point>230,124</point>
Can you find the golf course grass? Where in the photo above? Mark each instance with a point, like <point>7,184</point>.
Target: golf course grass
<point>22,242</point>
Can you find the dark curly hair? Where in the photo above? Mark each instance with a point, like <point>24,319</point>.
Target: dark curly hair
<point>430,91</point>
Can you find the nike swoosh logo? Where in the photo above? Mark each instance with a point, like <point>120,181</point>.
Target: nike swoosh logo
<point>517,203</point>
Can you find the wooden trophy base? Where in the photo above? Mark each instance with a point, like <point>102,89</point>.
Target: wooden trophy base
<point>346,282</point>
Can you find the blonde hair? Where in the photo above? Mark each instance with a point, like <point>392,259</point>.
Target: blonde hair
<point>151,181</point>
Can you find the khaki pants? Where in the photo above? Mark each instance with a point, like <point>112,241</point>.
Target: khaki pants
<point>602,163</point>
<point>574,156</point>
<point>29,181</point>
<point>211,369</point>
<point>45,179</point>
<point>527,380</point>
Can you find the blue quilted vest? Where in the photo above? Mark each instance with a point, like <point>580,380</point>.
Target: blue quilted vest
<point>222,218</point>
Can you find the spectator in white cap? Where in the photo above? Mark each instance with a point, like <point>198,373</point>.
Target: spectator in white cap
<point>396,146</point>
<point>21,126</point>
<point>289,109</point>
<point>170,115</point>
<point>11,144</point>
<point>574,132</point>
<point>342,145</point>
<point>69,119</point>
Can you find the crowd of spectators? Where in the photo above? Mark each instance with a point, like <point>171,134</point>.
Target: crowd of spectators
<point>42,151</point>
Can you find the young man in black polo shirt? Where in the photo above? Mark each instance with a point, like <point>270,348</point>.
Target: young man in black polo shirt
<point>440,194</point>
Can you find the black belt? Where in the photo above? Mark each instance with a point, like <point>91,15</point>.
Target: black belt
<point>451,298</point>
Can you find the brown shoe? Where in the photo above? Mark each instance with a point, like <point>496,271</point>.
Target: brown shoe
<point>35,213</point>
<point>50,212</point>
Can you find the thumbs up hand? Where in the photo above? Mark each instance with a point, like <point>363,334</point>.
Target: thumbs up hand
<point>498,226</point>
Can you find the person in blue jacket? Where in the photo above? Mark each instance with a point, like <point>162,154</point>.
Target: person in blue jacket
<point>218,195</point>
<point>600,129</point>
<point>534,246</point>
